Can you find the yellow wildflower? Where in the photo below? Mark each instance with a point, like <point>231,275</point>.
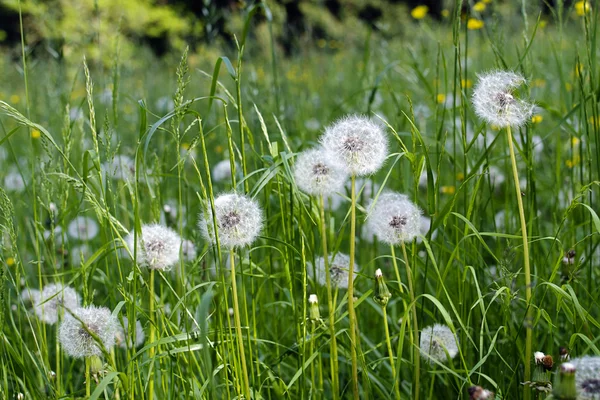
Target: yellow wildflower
<point>466,83</point>
<point>574,141</point>
<point>583,7</point>
<point>571,163</point>
<point>536,119</point>
<point>441,97</point>
<point>35,134</point>
<point>419,12</point>
<point>479,6</point>
<point>10,261</point>
<point>448,189</point>
<point>321,43</point>
<point>445,13</point>
<point>474,24</point>
<point>543,23</point>
<point>460,176</point>
<point>15,98</point>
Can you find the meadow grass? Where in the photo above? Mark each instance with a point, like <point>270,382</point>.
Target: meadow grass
<point>63,126</point>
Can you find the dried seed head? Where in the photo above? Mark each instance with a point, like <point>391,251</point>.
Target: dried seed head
<point>588,377</point>
<point>53,300</point>
<point>75,336</point>
<point>338,271</point>
<point>495,103</point>
<point>438,343</point>
<point>157,247</point>
<point>316,174</point>
<point>355,143</point>
<point>239,221</point>
<point>394,219</point>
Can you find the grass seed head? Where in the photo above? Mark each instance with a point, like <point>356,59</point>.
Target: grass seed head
<point>355,143</point>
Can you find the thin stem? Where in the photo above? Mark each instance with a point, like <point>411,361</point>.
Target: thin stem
<point>238,326</point>
<point>528,337</point>
<point>390,351</point>
<point>416,355</point>
<point>333,343</point>
<point>152,338</point>
<point>88,378</point>
<point>351,314</point>
<point>311,348</point>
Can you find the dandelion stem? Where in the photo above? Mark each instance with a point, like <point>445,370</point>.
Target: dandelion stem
<point>351,314</point>
<point>238,326</point>
<point>151,338</point>
<point>88,378</point>
<point>390,351</point>
<point>416,355</point>
<point>528,337</point>
<point>333,343</point>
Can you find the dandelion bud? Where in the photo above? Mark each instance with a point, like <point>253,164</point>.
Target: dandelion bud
<point>564,353</point>
<point>382,293</point>
<point>495,103</point>
<point>316,174</point>
<point>52,300</point>
<point>479,393</point>
<point>438,343</point>
<point>357,144</point>
<point>394,219</point>
<point>588,377</point>
<point>313,304</point>
<point>157,247</point>
<point>239,221</point>
<point>565,386</point>
<point>543,364</point>
<point>339,268</point>
<point>78,332</point>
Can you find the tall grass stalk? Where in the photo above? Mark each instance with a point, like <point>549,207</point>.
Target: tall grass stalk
<point>331,309</point>
<point>390,351</point>
<point>152,336</point>
<point>351,314</point>
<point>238,326</point>
<point>528,318</point>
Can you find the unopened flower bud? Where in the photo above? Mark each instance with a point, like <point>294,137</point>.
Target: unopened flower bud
<point>564,354</point>
<point>313,303</point>
<point>382,293</point>
<point>565,387</point>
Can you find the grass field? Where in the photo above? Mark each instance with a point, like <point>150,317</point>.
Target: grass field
<point>92,156</point>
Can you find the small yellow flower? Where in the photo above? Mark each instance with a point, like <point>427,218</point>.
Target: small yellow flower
<point>321,43</point>
<point>479,6</point>
<point>466,83</point>
<point>10,261</point>
<point>578,69</point>
<point>539,83</point>
<point>568,86</point>
<point>474,24</point>
<point>595,122</point>
<point>460,176</point>
<point>185,146</point>
<point>441,97</point>
<point>35,134</point>
<point>445,13</point>
<point>571,163</point>
<point>582,8</point>
<point>536,119</point>
<point>448,189</point>
<point>219,149</point>
<point>543,24</point>
<point>15,98</point>
<point>575,141</point>
<point>419,12</point>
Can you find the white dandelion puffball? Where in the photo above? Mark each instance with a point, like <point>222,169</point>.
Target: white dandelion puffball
<point>239,221</point>
<point>188,250</point>
<point>122,338</point>
<point>494,101</point>
<point>222,171</point>
<point>83,228</point>
<point>356,144</point>
<point>436,341</point>
<point>339,271</point>
<point>54,299</point>
<point>394,219</point>
<point>315,174</point>
<point>121,167</point>
<point>13,182</point>
<point>30,296</point>
<point>587,377</point>
<point>157,247</point>
<point>75,337</point>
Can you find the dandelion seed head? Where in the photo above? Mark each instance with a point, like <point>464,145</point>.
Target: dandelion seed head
<point>188,250</point>
<point>239,221</point>
<point>30,296</point>
<point>394,219</point>
<point>495,103</point>
<point>587,377</point>
<point>53,299</point>
<point>122,338</point>
<point>77,341</point>
<point>436,340</point>
<point>83,228</point>
<point>13,182</point>
<point>222,171</point>
<point>356,144</point>
<point>316,175</point>
<point>157,247</point>
<point>121,167</point>
<point>339,268</point>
